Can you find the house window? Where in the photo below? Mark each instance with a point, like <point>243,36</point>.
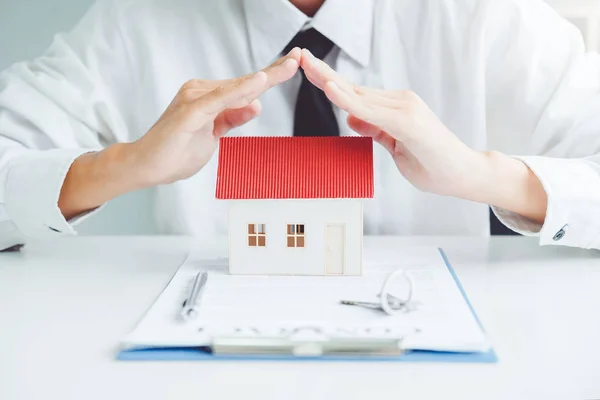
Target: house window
<point>295,235</point>
<point>257,236</point>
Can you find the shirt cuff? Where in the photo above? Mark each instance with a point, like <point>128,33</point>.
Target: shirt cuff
<point>573,213</point>
<point>33,186</point>
<point>10,238</point>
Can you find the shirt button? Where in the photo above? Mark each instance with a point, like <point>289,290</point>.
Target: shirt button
<point>561,233</point>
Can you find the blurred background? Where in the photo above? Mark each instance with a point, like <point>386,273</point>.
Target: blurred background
<point>27,28</point>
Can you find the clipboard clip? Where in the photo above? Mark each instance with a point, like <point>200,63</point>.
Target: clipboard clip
<point>307,342</point>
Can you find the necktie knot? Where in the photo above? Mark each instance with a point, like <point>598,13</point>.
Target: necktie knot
<point>312,40</point>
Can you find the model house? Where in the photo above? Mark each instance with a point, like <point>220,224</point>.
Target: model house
<point>295,204</point>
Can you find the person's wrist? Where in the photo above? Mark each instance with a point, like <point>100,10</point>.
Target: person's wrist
<point>483,176</point>
<point>128,161</point>
<point>508,183</point>
<point>471,183</point>
<point>95,178</point>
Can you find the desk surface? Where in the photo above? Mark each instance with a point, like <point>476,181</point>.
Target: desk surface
<point>65,305</point>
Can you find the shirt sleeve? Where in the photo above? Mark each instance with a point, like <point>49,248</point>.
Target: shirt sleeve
<point>66,103</point>
<point>543,94</point>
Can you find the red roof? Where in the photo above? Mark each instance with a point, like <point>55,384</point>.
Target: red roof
<point>295,168</point>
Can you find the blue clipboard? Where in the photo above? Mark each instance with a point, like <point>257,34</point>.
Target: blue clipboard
<point>205,354</point>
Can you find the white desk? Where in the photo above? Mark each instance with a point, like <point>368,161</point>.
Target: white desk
<point>65,305</point>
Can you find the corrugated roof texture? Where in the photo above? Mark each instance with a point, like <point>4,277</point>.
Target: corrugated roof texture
<point>295,168</point>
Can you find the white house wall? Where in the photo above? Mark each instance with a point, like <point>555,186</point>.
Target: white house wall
<point>276,258</point>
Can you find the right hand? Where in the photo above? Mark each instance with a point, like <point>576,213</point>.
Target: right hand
<point>187,134</point>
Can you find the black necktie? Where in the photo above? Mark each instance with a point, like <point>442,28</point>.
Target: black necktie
<point>314,113</point>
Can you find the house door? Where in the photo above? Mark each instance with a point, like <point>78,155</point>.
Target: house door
<point>335,249</point>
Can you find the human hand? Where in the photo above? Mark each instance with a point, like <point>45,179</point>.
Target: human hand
<point>178,145</point>
<point>426,152</point>
<point>187,134</point>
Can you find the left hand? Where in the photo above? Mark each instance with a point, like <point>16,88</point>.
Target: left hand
<point>426,152</point>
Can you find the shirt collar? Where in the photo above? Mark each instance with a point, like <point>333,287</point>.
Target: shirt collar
<point>272,24</point>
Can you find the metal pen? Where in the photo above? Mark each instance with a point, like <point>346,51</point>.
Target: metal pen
<point>189,308</point>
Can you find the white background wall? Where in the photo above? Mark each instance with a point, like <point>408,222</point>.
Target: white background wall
<point>27,27</point>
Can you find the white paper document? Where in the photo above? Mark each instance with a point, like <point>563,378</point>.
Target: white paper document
<point>256,306</point>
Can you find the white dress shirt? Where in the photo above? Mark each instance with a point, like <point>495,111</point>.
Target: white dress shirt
<point>490,69</point>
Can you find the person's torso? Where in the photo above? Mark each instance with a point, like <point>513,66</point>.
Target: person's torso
<point>417,45</point>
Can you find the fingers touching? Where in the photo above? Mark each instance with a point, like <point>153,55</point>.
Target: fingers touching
<point>284,68</point>
<point>374,112</point>
<point>319,73</point>
<point>233,102</point>
<point>241,92</point>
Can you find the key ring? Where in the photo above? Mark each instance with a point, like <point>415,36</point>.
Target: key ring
<point>384,295</point>
<point>389,303</point>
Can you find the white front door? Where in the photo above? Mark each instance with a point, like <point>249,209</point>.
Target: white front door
<point>335,249</point>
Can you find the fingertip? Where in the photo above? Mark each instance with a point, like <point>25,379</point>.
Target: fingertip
<point>288,69</point>
<point>296,54</point>
<point>354,123</point>
<point>361,127</point>
<point>307,57</point>
<point>291,63</point>
<point>307,53</point>
<point>256,106</point>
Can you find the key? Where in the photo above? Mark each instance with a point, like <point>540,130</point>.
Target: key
<point>394,302</point>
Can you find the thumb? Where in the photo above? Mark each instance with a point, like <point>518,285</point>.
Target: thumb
<point>233,118</point>
<point>366,129</point>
